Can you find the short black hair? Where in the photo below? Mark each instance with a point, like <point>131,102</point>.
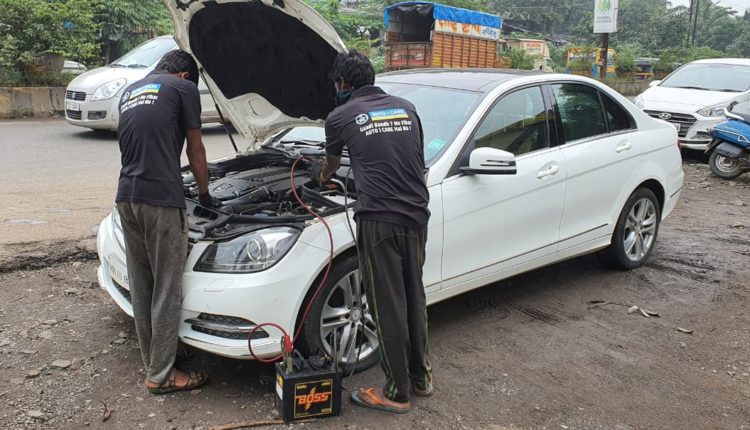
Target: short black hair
<point>178,61</point>
<point>354,67</point>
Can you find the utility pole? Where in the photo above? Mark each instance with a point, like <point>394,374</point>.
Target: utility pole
<point>695,21</point>
<point>605,58</point>
<point>690,20</point>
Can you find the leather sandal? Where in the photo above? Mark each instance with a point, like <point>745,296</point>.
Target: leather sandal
<point>374,398</point>
<point>194,380</point>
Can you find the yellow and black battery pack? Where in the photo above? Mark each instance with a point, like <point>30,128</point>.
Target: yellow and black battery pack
<point>308,393</point>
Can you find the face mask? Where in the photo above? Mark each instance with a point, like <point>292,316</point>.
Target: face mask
<point>342,97</point>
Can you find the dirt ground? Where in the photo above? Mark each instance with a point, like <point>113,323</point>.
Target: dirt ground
<point>551,349</point>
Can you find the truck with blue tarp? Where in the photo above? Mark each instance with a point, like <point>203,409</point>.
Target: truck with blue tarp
<point>425,34</point>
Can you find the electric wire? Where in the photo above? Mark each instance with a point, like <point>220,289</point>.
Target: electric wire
<point>314,298</point>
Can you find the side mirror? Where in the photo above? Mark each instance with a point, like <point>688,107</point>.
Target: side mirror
<point>490,161</point>
<point>654,83</point>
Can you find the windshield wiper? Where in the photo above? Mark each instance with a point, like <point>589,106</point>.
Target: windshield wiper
<point>303,142</point>
<point>136,66</point>
<point>691,87</point>
<point>728,90</point>
<point>116,65</point>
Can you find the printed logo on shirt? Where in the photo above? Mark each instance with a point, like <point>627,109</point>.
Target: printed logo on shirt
<point>362,118</point>
<point>385,121</point>
<point>388,114</point>
<point>146,89</point>
<point>144,95</point>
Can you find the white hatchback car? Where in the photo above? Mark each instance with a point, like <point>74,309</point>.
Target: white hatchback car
<point>525,170</point>
<point>693,97</point>
<point>91,99</point>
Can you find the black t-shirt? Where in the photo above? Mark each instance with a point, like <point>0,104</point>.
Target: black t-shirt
<point>384,137</point>
<point>155,113</point>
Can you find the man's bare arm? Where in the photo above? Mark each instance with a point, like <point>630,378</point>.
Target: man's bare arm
<point>330,166</point>
<point>196,154</point>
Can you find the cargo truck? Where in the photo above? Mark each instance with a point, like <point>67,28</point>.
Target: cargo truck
<point>425,34</point>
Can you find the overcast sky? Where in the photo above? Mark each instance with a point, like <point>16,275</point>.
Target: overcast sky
<point>738,5</point>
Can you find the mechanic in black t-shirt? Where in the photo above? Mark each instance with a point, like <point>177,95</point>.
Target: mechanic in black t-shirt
<point>157,113</point>
<point>384,139</point>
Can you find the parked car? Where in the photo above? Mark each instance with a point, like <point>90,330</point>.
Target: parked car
<point>693,97</point>
<point>525,169</point>
<point>91,98</point>
<point>71,67</point>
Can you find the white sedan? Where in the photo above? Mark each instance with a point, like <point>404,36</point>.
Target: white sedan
<point>525,170</point>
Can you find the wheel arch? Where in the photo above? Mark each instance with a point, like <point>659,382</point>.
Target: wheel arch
<point>313,287</point>
<point>657,188</point>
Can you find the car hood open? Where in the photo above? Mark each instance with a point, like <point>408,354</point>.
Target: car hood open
<point>265,61</point>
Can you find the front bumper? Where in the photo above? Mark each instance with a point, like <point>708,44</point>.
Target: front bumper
<point>99,114</point>
<point>209,300</point>
<point>693,129</point>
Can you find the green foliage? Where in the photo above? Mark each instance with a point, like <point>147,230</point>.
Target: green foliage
<point>21,112</point>
<point>131,21</point>
<point>29,28</point>
<point>584,61</point>
<point>116,17</point>
<point>625,56</point>
<point>519,59</point>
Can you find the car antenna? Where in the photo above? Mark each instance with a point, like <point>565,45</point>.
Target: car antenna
<point>221,116</point>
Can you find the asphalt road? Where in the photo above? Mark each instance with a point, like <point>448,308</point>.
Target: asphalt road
<point>57,181</point>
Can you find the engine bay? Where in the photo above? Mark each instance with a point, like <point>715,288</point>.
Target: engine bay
<point>256,189</point>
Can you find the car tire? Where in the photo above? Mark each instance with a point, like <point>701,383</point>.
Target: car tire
<point>636,231</point>
<point>337,311</point>
<point>724,167</point>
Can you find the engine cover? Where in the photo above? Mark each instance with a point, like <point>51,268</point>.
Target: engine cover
<point>238,184</point>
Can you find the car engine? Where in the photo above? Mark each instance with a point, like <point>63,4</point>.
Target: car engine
<point>258,188</point>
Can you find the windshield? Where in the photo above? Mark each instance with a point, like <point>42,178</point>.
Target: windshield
<point>712,77</point>
<point>443,111</point>
<point>304,135</point>
<point>146,54</point>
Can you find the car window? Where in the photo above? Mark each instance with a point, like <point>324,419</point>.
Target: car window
<point>517,123</point>
<point>580,111</point>
<point>618,118</point>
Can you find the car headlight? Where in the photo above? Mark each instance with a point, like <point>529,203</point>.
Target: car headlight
<point>713,111</point>
<point>249,253</point>
<point>638,101</point>
<point>108,90</point>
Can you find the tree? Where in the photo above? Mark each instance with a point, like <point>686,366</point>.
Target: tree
<point>519,59</point>
<point>30,28</point>
<point>129,19</point>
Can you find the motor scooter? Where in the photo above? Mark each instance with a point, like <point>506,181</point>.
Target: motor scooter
<point>730,145</point>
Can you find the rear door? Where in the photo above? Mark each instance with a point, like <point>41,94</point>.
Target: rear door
<point>492,222</point>
<point>603,153</point>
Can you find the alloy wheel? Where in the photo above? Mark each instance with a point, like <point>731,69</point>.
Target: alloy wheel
<point>346,321</point>
<point>640,229</point>
<point>726,164</point>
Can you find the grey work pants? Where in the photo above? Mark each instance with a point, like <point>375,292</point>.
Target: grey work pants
<point>391,258</point>
<point>156,248</point>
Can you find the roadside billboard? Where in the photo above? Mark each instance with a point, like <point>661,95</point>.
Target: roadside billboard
<point>605,16</point>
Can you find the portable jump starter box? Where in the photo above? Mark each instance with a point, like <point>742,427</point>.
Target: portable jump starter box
<point>307,391</point>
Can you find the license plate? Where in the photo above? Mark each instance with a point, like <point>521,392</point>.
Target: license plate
<point>118,271</point>
<point>676,126</point>
<point>69,105</point>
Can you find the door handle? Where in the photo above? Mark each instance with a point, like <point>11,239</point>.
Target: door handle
<point>549,171</point>
<point>624,146</point>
